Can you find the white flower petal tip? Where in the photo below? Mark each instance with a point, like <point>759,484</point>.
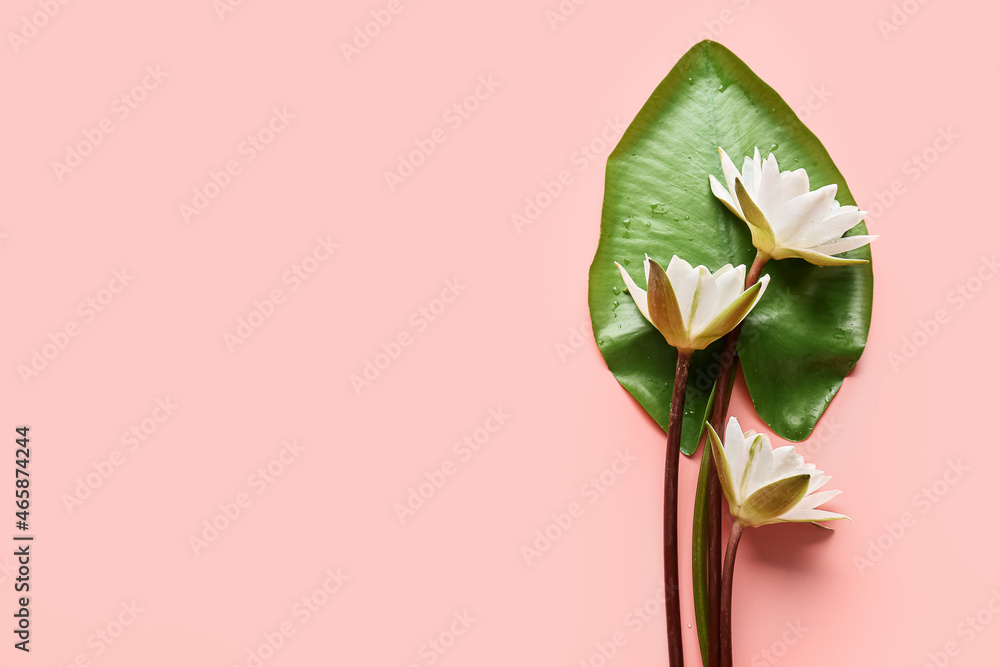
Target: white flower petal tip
<point>637,293</point>
<point>765,485</point>
<point>691,306</point>
<point>786,219</point>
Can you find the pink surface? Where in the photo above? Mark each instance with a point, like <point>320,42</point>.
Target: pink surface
<point>495,389</point>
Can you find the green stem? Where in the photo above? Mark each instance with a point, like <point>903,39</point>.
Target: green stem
<point>726,634</point>
<point>699,564</point>
<point>714,524</point>
<point>671,576</point>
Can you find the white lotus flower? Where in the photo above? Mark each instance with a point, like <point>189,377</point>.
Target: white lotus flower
<point>691,306</point>
<point>785,218</point>
<point>765,486</point>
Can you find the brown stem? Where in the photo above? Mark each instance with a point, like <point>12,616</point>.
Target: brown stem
<point>726,634</point>
<point>755,269</point>
<point>671,576</point>
<point>713,529</point>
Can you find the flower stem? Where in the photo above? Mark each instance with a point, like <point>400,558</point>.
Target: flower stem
<point>726,635</point>
<point>671,576</point>
<point>713,529</point>
<point>758,265</point>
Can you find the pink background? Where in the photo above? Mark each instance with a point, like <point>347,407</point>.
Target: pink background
<point>870,593</point>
